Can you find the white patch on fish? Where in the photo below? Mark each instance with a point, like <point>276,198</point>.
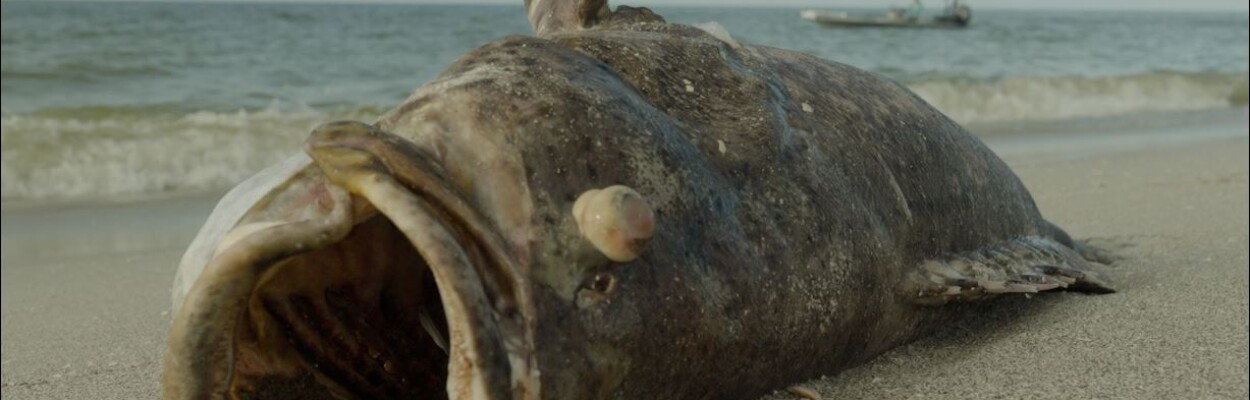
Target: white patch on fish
<point>716,30</point>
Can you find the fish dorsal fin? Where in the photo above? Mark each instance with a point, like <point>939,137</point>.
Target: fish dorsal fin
<point>1023,265</point>
<point>551,16</point>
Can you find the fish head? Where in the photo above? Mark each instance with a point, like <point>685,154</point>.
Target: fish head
<point>369,268</point>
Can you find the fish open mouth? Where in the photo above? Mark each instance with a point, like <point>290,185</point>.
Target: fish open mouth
<point>365,276</point>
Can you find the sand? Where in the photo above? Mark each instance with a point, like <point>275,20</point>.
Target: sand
<point>86,287</point>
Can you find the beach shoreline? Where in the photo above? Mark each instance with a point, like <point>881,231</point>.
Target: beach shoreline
<point>86,285</point>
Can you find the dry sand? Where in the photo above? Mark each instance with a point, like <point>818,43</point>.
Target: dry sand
<point>86,288</point>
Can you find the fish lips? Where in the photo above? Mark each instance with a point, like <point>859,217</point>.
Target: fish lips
<point>358,173</point>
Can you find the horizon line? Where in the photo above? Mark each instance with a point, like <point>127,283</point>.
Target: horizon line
<point>652,4</point>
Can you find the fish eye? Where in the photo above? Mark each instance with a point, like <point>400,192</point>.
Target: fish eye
<point>596,290</point>
<point>603,283</point>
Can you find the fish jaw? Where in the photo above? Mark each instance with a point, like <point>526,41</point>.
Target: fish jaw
<point>362,276</point>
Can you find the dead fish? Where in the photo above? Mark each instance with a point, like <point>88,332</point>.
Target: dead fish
<point>617,208</point>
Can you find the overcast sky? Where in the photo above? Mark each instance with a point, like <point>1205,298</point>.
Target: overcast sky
<point>1203,5</point>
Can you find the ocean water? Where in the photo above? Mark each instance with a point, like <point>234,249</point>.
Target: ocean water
<point>137,99</point>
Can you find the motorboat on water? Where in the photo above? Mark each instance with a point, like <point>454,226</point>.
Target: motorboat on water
<point>956,15</point>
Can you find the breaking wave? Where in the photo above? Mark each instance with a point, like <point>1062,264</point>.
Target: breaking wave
<point>1051,98</point>
<point>134,152</point>
<point>112,152</point>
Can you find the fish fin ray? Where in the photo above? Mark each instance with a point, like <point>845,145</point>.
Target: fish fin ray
<point>1022,265</point>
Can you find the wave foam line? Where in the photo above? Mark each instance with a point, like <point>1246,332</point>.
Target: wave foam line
<point>111,152</point>
<point>54,156</point>
<point>1053,98</point>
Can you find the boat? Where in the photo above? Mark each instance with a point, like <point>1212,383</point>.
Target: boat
<point>956,15</point>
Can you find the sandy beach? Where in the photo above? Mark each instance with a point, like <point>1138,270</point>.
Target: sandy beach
<point>86,286</point>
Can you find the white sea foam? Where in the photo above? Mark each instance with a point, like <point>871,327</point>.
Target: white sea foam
<point>1050,98</point>
<point>124,155</point>
<point>92,153</point>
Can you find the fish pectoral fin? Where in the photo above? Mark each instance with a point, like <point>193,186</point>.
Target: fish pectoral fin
<point>1024,265</point>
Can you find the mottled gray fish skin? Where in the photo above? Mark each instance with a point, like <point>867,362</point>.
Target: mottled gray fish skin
<point>808,216</point>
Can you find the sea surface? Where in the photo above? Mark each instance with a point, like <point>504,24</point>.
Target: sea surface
<point>127,100</point>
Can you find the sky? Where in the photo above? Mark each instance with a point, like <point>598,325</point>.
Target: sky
<point>1199,5</point>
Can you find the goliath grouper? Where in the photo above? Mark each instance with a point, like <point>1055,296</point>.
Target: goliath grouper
<point>618,207</point>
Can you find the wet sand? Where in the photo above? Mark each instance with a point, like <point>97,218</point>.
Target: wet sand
<point>85,293</point>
